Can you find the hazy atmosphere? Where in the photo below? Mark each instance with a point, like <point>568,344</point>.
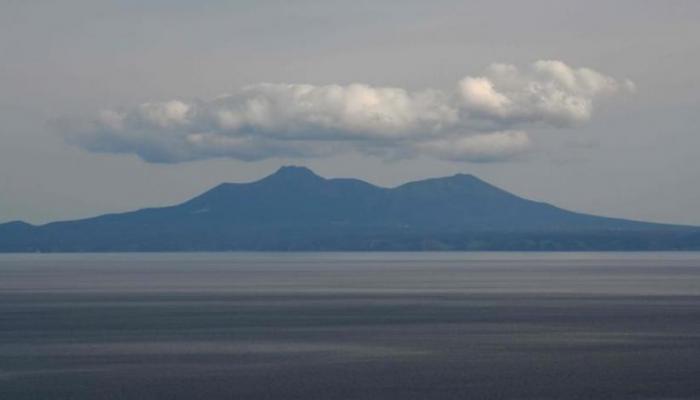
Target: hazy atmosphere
<point>396,200</point>
<point>116,105</point>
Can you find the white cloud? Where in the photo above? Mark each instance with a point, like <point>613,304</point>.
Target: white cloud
<point>481,120</point>
<point>548,92</point>
<point>480,95</point>
<point>344,112</point>
<point>164,115</point>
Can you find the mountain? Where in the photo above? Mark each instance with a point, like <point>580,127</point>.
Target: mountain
<point>295,209</point>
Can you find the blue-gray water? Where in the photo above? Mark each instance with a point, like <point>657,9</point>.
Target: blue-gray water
<point>350,326</point>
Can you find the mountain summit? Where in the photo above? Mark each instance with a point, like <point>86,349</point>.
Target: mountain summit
<point>295,209</point>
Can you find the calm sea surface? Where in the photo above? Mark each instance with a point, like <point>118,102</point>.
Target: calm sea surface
<point>350,326</point>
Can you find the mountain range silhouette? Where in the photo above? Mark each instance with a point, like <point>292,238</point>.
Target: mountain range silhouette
<point>295,209</point>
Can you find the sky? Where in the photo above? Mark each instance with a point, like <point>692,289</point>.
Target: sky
<point>111,106</point>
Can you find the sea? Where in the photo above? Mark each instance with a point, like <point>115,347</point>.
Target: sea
<point>355,326</point>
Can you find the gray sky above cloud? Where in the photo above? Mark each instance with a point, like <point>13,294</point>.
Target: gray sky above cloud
<point>148,79</point>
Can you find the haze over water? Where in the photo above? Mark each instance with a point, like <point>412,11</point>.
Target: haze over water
<point>350,326</point>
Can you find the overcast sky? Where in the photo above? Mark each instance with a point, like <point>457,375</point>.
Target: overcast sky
<point>115,105</point>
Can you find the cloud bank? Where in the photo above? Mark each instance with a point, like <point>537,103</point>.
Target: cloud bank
<point>484,118</point>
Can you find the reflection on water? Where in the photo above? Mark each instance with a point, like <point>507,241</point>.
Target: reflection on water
<point>350,326</point>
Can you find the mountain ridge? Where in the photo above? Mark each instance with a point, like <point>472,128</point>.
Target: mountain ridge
<point>296,209</point>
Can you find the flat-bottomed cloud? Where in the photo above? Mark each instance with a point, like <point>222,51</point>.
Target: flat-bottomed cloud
<point>484,118</point>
